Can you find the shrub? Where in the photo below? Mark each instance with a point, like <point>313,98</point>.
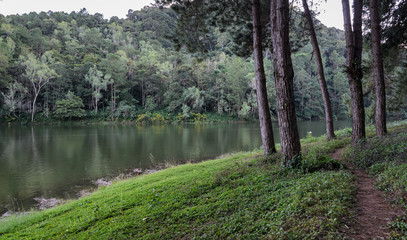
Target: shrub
<point>144,119</point>
<point>71,107</point>
<point>244,113</point>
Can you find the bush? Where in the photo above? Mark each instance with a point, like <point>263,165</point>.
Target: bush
<point>124,110</point>
<point>244,113</point>
<point>71,107</point>
<point>144,119</point>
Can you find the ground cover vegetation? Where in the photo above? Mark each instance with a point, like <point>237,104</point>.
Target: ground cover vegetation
<point>386,160</point>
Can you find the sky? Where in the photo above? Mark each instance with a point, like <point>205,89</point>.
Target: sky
<point>331,12</point>
<point>108,8</point>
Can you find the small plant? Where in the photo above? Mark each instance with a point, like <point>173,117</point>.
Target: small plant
<point>143,119</point>
<point>158,118</point>
<point>180,117</point>
<point>293,163</point>
<point>199,117</point>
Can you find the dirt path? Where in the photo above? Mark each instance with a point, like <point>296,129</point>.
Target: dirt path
<point>372,212</point>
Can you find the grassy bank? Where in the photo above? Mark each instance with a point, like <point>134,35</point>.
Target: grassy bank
<point>241,196</point>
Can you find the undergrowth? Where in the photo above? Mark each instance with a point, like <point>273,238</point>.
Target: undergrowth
<point>385,158</point>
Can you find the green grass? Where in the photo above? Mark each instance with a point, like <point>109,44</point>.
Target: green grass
<point>243,196</point>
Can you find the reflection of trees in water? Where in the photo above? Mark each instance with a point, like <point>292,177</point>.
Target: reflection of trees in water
<point>42,161</point>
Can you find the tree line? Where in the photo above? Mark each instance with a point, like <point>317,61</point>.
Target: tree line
<point>195,57</point>
<point>121,67</point>
<point>231,16</point>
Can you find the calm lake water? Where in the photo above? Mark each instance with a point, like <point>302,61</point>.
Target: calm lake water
<point>59,161</point>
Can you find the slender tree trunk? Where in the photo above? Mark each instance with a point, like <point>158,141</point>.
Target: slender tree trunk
<point>113,101</point>
<point>354,66</point>
<point>380,115</point>
<point>266,127</point>
<point>96,106</point>
<point>321,76</point>
<point>33,106</point>
<point>284,75</point>
<point>143,98</point>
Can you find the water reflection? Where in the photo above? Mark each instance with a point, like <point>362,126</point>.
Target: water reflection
<point>49,161</point>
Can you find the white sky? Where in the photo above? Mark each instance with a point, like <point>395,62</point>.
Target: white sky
<point>108,8</point>
<point>331,12</point>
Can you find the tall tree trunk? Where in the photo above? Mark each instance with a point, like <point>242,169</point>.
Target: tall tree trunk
<point>266,127</point>
<point>321,76</point>
<point>284,76</point>
<point>354,66</point>
<point>380,115</point>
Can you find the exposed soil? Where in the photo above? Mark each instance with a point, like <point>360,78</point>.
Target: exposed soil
<point>372,212</point>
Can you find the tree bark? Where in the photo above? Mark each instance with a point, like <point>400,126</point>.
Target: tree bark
<point>34,108</point>
<point>266,127</point>
<point>284,75</point>
<point>380,115</point>
<point>354,66</point>
<point>321,76</point>
<point>96,106</point>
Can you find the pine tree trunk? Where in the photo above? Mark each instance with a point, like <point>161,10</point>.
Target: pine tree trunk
<point>380,115</point>
<point>321,76</point>
<point>284,76</point>
<point>354,66</point>
<point>266,127</point>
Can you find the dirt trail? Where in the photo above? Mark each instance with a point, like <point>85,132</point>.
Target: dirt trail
<point>372,212</point>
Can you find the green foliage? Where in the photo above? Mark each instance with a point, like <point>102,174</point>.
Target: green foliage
<point>106,62</point>
<point>386,159</point>
<point>378,150</point>
<point>199,117</point>
<point>125,110</point>
<point>158,118</point>
<point>244,112</point>
<point>133,61</point>
<point>13,99</point>
<point>144,119</point>
<point>70,107</point>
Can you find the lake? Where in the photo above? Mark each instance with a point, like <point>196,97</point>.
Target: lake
<point>59,161</point>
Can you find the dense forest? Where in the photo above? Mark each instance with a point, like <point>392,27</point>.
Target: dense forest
<point>56,65</point>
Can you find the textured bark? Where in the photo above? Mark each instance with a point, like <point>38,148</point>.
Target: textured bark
<point>284,75</point>
<point>266,127</point>
<point>321,76</point>
<point>354,66</point>
<point>378,71</point>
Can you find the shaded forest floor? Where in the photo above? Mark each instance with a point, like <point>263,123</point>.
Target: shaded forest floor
<point>244,196</point>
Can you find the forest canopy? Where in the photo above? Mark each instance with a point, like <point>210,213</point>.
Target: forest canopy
<point>119,68</point>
